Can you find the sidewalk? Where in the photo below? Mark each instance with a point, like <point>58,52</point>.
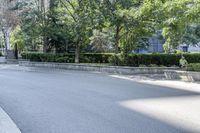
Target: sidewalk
<point>6,124</point>
<point>160,80</point>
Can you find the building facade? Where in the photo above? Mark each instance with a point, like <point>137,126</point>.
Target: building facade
<point>156,46</point>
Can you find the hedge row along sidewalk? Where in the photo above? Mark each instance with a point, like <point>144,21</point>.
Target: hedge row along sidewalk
<point>194,67</point>
<point>67,58</point>
<point>134,60</point>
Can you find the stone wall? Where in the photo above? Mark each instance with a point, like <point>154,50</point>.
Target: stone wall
<point>182,75</point>
<point>2,60</point>
<point>96,68</point>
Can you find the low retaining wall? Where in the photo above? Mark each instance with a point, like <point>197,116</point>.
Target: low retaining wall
<point>107,69</point>
<point>2,60</point>
<point>182,75</point>
<point>13,61</point>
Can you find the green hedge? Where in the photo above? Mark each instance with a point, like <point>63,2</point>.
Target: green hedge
<point>67,58</point>
<point>193,67</point>
<point>119,59</point>
<point>158,59</point>
<point>153,59</point>
<point>1,54</point>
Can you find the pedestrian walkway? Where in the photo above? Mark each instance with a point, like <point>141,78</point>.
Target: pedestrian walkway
<point>6,124</point>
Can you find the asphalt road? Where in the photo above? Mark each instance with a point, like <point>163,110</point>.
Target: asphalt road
<point>86,102</point>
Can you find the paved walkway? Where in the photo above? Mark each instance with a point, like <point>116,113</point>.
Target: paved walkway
<point>47,101</point>
<point>6,124</point>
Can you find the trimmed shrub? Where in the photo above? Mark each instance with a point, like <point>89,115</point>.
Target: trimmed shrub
<point>1,54</point>
<point>142,65</point>
<point>67,58</point>
<point>63,60</point>
<point>95,57</point>
<point>117,60</point>
<point>153,65</point>
<point>168,60</point>
<point>134,60</point>
<point>193,67</point>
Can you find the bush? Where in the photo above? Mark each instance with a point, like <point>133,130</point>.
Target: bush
<point>95,57</point>
<point>64,60</point>
<point>167,60</point>
<point>134,60</point>
<point>193,67</point>
<point>153,65</point>
<point>117,60</point>
<point>67,58</point>
<point>1,54</point>
<point>142,65</point>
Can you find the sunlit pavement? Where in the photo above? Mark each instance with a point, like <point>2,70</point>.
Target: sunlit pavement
<point>87,102</point>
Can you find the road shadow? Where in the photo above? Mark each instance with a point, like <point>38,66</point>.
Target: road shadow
<point>82,102</point>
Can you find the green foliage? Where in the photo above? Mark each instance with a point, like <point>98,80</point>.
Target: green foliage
<point>17,38</point>
<point>153,65</point>
<point>177,15</point>
<point>1,41</point>
<point>77,26</point>
<point>136,60</point>
<point>193,67</point>
<point>122,25</point>
<point>183,62</point>
<point>117,60</point>
<point>95,57</point>
<point>102,41</point>
<point>191,35</point>
<point>67,58</point>
<point>142,65</point>
<point>1,54</point>
<point>179,52</point>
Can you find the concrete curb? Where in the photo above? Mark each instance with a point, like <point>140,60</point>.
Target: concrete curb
<point>96,68</point>
<point>6,123</point>
<point>182,75</point>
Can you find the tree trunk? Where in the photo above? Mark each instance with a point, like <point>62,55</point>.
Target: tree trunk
<point>77,53</point>
<point>45,44</point>
<point>16,51</point>
<point>117,38</point>
<point>43,9</point>
<point>6,34</point>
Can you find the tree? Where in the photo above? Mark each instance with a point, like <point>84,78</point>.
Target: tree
<point>117,15</point>
<point>132,22</point>
<point>191,35</point>
<point>98,25</point>
<point>78,13</point>
<point>102,41</point>
<point>8,21</point>
<point>17,39</point>
<point>33,14</point>
<point>177,16</point>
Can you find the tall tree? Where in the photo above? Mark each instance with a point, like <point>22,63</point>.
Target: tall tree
<point>178,14</point>
<point>78,13</point>
<point>9,20</point>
